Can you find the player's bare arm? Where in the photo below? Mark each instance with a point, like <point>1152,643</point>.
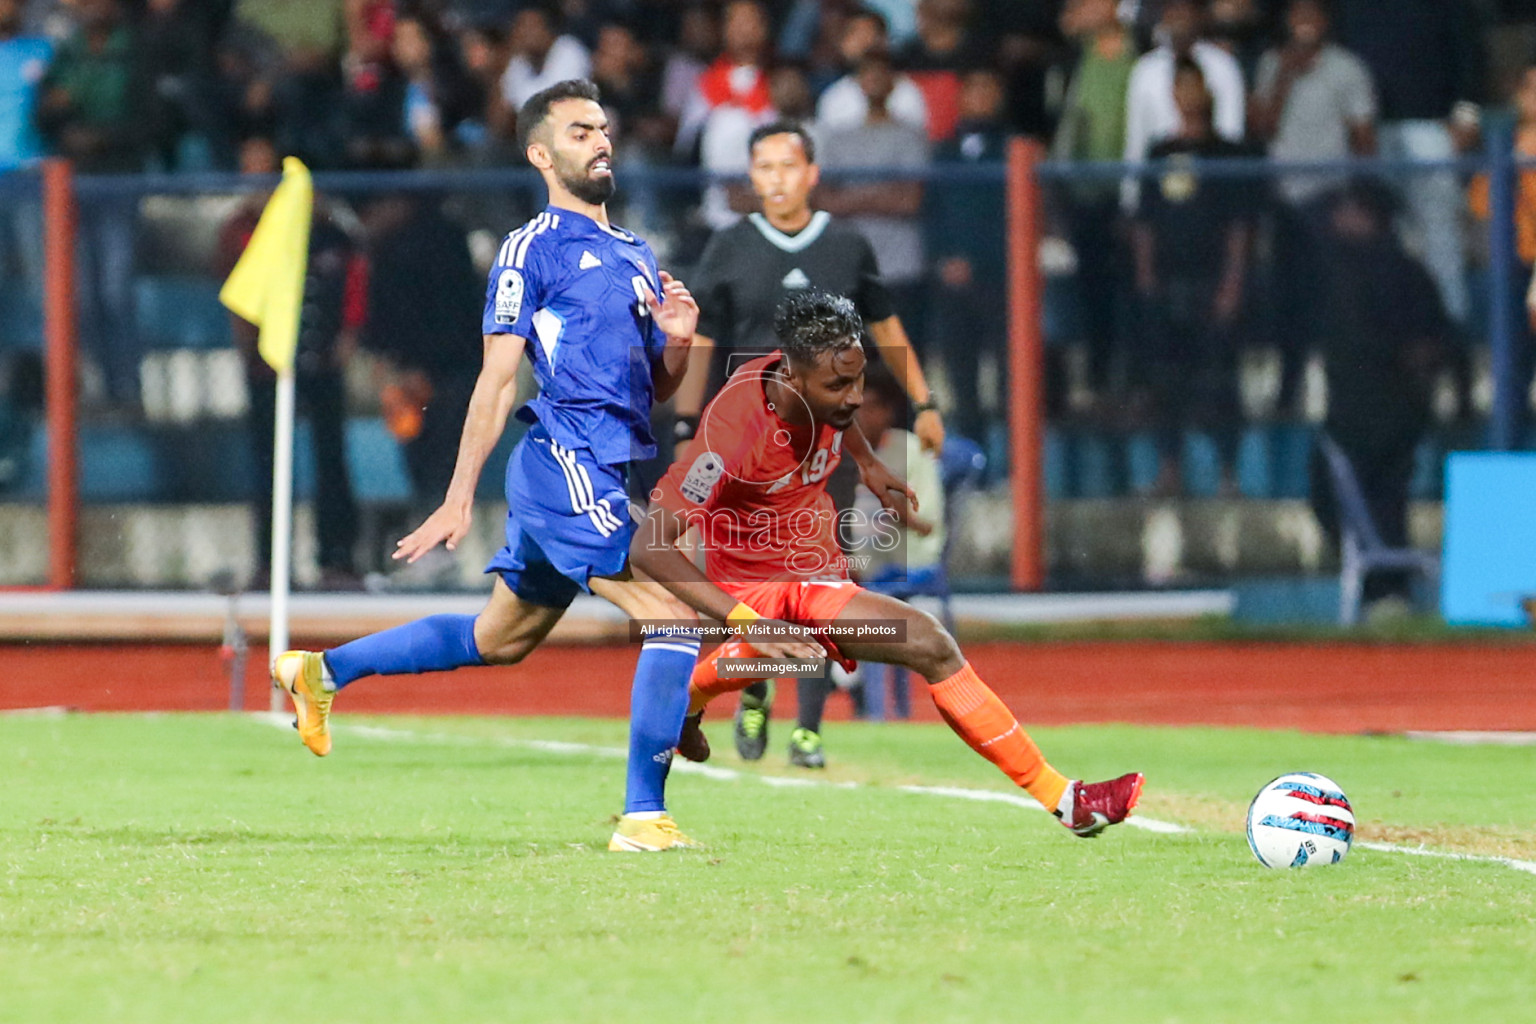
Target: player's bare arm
<point>677,314</point>
<point>655,553</point>
<point>489,406</point>
<point>893,492</point>
<point>891,338</point>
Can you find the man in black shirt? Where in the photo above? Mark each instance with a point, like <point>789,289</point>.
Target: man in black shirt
<point>421,281</point>
<point>1191,245</point>
<point>1386,340</point>
<point>424,298</point>
<point>746,270</point>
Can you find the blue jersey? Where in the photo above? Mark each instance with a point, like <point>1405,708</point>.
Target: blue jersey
<point>575,289</point>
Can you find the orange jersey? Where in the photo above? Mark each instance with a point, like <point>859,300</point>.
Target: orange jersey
<point>755,488</point>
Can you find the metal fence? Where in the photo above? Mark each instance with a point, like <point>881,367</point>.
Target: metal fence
<point>1201,322</point>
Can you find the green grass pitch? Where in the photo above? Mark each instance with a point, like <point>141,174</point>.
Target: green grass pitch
<point>207,868</point>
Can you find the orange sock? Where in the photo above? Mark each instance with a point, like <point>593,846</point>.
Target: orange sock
<point>980,718</point>
<point>706,684</point>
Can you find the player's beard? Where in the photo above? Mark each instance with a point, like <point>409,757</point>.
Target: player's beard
<point>580,183</point>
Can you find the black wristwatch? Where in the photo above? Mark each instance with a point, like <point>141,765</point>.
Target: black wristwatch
<point>928,406</point>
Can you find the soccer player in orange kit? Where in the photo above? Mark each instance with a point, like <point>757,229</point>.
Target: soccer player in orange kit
<point>754,485</point>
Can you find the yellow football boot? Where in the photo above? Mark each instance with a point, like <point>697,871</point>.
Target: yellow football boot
<point>649,835</point>
<point>298,674</point>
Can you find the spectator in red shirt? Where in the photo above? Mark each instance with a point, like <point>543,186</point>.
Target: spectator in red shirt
<point>373,90</point>
<point>739,76</point>
<point>731,99</point>
<point>944,48</point>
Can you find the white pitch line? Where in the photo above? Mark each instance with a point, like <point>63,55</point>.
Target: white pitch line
<point>1473,738</point>
<point>708,771</point>
<point>1424,851</point>
<point>778,781</point>
<point>1030,803</point>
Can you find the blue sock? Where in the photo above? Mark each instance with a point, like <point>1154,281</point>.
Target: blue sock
<point>657,705</point>
<point>432,644</point>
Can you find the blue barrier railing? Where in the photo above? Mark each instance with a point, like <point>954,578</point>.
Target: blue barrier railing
<point>1502,298</point>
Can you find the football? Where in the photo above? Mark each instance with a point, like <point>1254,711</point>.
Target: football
<point>1300,820</point>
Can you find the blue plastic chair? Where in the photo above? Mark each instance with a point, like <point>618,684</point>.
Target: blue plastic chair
<point>961,470</point>
<point>1361,549</point>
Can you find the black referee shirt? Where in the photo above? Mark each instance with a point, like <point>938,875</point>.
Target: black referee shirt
<point>748,268</point>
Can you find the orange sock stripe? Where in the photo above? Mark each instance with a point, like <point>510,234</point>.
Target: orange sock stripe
<point>978,716</point>
<point>1016,727</point>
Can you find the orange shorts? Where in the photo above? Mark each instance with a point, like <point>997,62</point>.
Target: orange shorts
<point>806,602</point>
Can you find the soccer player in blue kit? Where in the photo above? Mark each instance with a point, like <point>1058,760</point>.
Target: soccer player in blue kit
<point>608,334</point>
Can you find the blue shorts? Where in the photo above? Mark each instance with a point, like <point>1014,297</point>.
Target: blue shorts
<point>568,519</point>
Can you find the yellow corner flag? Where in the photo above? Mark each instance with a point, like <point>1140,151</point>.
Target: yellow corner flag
<point>267,285</point>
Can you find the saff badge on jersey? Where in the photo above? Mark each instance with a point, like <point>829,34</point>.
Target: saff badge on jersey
<point>701,478</point>
<point>509,296</point>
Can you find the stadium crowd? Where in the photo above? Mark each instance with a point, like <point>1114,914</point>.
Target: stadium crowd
<point>1177,272</point>
<point>123,85</point>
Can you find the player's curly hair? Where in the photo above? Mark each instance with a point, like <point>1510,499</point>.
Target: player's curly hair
<point>809,323</point>
<point>533,113</point>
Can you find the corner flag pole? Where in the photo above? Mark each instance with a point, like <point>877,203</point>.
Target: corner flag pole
<point>282,520</point>
<point>267,288</point>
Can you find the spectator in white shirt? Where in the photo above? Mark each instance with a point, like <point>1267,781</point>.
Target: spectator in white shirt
<point>730,99</point>
<point>540,56</point>
<point>1314,102</point>
<point>844,105</point>
<point>885,212</point>
<point>1151,114</point>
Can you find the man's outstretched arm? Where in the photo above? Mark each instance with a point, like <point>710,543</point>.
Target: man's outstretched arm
<point>894,493</point>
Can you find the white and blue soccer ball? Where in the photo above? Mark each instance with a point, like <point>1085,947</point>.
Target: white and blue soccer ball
<point>1300,820</point>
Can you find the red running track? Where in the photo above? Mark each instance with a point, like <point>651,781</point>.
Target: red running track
<point>1325,688</point>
